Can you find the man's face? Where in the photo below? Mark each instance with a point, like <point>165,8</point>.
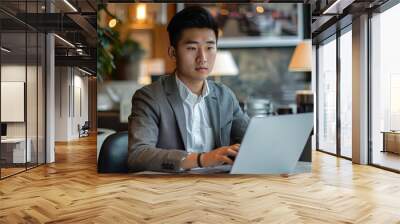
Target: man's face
<point>195,53</point>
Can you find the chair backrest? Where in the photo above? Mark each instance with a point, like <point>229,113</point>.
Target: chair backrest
<point>114,154</point>
<point>86,125</point>
<point>258,107</point>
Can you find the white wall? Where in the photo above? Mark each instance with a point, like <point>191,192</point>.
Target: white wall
<point>70,83</point>
<point>81,82</point>
<point>61,103</point>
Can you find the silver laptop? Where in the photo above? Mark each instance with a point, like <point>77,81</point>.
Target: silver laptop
<point>271,145</point>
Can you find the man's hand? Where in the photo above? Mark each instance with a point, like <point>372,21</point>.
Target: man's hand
<point>220,155</point>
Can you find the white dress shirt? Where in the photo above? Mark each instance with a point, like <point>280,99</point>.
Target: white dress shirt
<point>200,136</point>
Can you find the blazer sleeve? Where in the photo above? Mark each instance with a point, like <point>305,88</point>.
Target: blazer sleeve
<point>143,155</point>
<point>240,121</point>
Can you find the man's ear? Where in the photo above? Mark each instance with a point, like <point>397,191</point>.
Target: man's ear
<point>172,53</point>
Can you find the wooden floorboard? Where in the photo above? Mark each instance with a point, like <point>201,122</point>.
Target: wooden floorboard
<point>71,191</point>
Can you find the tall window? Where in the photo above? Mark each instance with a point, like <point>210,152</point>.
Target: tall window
<point>385,87</point>
<point>327,96</point>
<point>346,94</point>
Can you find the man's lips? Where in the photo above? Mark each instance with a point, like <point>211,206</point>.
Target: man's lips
<point>201,69</point>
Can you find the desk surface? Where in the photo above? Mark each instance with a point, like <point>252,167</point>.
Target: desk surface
<point>301,167</point>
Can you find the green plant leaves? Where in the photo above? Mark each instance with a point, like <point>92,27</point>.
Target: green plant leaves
<point>110,49</point>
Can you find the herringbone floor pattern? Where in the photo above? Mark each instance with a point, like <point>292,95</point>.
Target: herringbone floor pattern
<point>71,191</point>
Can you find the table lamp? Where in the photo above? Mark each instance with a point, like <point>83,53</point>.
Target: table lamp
<point>301,62</point>
<point>224,65</point>
<point>301,58</point>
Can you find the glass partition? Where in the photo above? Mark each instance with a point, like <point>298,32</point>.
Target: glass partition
<point>13,108</point>
<point>22,89</point>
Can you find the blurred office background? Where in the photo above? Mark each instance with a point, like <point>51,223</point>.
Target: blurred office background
<point>257,41</point>
<point>48,79</point>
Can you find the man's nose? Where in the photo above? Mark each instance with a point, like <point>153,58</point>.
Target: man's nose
<point>201,56</point>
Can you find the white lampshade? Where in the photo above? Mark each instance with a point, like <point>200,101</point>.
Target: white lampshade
<point>301,58</point>
<point>224,65</point>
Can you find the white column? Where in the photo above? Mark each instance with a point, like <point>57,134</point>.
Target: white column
<point>360,90</point>
<point>50,109</point>
<point>50,92</point>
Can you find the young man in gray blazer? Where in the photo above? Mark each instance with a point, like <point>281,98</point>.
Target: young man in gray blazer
<point>183,120</point>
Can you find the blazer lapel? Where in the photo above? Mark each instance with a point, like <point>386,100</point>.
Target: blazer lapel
<point>214,114</point>
<point>175,100</point>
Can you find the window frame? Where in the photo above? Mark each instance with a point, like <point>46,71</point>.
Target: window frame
<point>334,36</point>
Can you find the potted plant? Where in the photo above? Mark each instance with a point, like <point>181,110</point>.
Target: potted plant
<point>116,59</point>
<point>127,57</point>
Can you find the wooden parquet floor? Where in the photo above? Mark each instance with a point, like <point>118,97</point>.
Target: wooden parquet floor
<point>71,191</point>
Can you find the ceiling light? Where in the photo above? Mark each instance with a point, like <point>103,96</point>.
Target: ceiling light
<point>337,7</point>
<point>5,49</point>
<point>141,12</point>
<point>64,40</point>
<point>260,9</point>
<point>79,44</point>
<point>224,12</point>
<point>84,71</point>
<point>112,23</point>
<point>79,51</point>
<point>70,5</point>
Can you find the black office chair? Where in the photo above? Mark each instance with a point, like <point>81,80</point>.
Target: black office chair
<point>113,154</point>
<point>84,129</point>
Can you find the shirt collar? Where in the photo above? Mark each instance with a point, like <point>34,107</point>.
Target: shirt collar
<point>186,94</point>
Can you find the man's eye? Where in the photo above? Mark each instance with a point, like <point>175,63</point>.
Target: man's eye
<point>191,48</point>
<point>210,48</point>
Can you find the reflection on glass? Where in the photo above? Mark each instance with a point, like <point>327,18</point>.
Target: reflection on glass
<point>327,97</point>
<point>346,94</point>
<point>385,89</point>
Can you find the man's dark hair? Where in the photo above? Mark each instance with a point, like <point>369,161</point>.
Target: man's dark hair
<point>191,17</point>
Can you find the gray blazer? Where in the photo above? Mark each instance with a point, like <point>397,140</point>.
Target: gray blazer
<point>157,126</point>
